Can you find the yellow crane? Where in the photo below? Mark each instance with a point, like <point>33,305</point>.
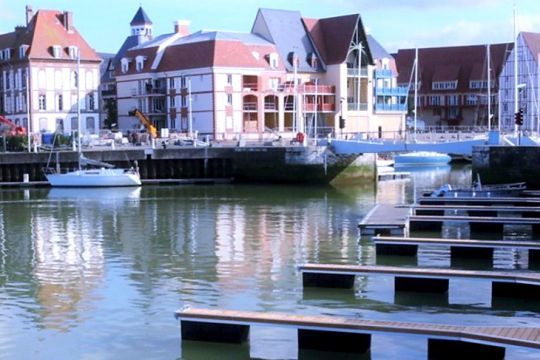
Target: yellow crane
<point>145,121</point>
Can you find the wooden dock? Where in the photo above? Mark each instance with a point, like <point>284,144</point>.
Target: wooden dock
<point>426,280</point>
<point>476,223</point>
<point>513,201</point>
<point>459,248</point>
<point>333,333</point>
<point>385,219</point>
<point>476,210</point>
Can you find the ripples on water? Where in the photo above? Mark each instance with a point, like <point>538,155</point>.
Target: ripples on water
<point>98,273</point>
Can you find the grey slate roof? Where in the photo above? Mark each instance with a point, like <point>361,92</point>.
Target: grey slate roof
<point>140,18</point>
<point>106,58</point>
<point>207,35</point>
<point>286,30</point>
<point>377,51</point>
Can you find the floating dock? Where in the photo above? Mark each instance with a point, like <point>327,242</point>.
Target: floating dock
<point>476,210</point>
<point>459,248</point>
<point>385,220</point>
<point>333,333</point>
<point>424,280</point>
<point>476,223</point>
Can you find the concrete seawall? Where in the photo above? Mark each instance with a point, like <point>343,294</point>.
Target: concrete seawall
<point>507,164</point>
<point>293,164</point>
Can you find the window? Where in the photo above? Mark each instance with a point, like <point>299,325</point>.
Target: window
<point>184,101</point>
<point>74,79</point>
<point>60,102</point>
<point>139,63</point>
<point>273,60</point>
<point>471,100</point>
<point>444,85</point>
<point>229,99</point>
<point>42,102</point>
<point>56,49</point>
<point>183,81</point>
<point>72,50</point>
<point>22,51</point>
<point>91,102</point>
<point>172,83</point>
<point>172,101</point>
<point>435,100</point>
<point>8,80</point>
<point>60,125</point>
<point>7,54</point>
<point>229,79</point>
<point>273,83</point>
<point>453,100</point>
<point>74,124</point>
<point>90,124</point>
<point>125,65</point>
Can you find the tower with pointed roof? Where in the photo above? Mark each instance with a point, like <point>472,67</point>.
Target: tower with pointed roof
<point>141,26</point>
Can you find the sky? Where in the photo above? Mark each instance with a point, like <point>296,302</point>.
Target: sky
<point>396,24</point>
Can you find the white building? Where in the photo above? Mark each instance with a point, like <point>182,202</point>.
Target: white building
<point>244,83</point>
<point>528,81</point>
<point>39,61</point>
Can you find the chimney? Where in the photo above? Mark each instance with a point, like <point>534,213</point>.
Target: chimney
<point>68,20</point>
<point>29,14</point>
<point>182,27</point>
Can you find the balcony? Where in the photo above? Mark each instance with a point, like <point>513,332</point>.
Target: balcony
<point>394,91</point>
<point>352,106</point>
<point>320,107</point>
<point>353,72</point>
<point>108,92</point>
<point>391,107</point>
<point>384,74</point>
<point>317,89</point>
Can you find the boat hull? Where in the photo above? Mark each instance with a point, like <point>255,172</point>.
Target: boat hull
<point>421,159</point>
<point>95,178</point>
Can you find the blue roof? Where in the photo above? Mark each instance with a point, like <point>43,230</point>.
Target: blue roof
<point>286,30</point>
<point>140,18</point>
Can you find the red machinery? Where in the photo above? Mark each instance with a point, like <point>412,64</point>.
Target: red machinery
<point>10,127</point>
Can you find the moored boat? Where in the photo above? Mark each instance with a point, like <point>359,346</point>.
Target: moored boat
<point>421,158</point>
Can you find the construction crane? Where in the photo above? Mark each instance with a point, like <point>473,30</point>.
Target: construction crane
<point>9,127</point>
<point>145,121</point>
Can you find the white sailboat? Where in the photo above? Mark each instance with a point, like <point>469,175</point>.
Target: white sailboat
<point>101,175</point>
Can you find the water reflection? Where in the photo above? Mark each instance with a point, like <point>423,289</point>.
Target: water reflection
<point>98,274</point>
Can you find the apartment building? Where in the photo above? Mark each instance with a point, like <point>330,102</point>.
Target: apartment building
<point>453,82</point>
<point>288,75</point>
<point>39,75</point>
<point>527,81</point>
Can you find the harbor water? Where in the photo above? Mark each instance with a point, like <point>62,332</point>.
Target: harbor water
<point>98,273</point>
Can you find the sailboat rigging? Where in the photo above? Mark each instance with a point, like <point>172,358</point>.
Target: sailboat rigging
<point>101,175</point>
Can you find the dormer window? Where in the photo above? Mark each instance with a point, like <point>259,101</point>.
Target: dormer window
<point>313,61</point>
<point>273,60</point>
<point>139,62</point>
<point>22,51</point>
<point>7,54</point>
<point>56,51</point>
<point>72,52</point>
<point>125,65</point>
<point>293,59</point>
<point>255,54</point>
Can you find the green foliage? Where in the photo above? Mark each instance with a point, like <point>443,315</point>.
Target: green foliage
<point>13,143</point>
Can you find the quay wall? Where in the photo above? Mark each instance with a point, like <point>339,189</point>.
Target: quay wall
<point>241,164</point>
<point>507,164</point>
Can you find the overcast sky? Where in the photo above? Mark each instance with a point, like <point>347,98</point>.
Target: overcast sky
<point>394,23</point>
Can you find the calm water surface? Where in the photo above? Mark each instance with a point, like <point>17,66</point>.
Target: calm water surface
<point>98,274</point>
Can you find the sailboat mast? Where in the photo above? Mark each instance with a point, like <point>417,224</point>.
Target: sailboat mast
<point>415,87</point>
<point>516,90</point>
<point>489,87</point>
<point>79,101</point>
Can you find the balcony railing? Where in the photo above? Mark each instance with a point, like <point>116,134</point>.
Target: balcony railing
<point>249,86</point>
<point>383,73</point>
<point>270,106</point>
<point>320,107</point>
<point>393,91</point>
<point>250,106</point>
<point>354,72</point>
<point>319,89</point>
<point>352,106</point>
<point>108,92</point>
<point>390,107</point>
